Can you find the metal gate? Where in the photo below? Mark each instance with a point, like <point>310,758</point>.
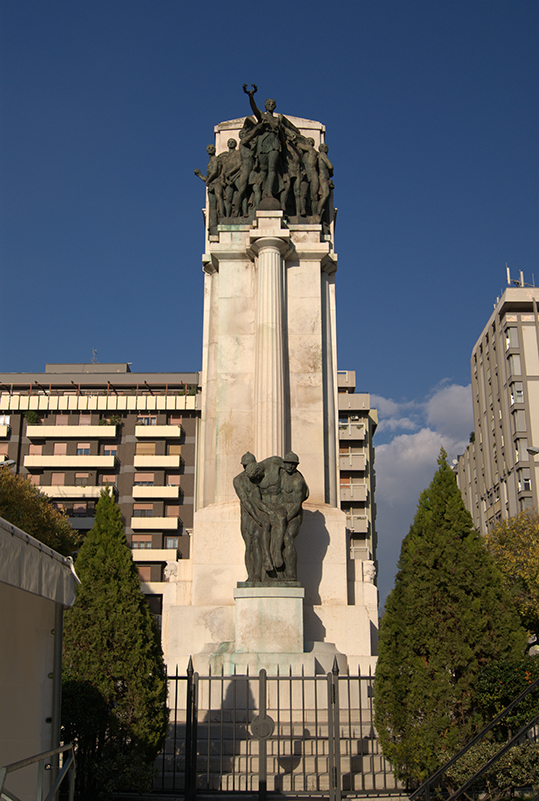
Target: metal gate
<point>287,734</point>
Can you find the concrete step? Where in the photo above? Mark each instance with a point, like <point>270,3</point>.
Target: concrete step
<point>282,731</point>
<point>248,763</point>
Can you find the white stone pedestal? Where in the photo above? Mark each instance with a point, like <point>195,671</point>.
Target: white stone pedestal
<point>269,619</point>
<point>269,635</point>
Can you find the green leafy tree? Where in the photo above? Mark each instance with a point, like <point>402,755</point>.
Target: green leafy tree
<point>114,675</point>
<point>447,617</point>
<point>518,767</point>
<point>514,544</point>
<point>24,506</point>
<point>499,683</point>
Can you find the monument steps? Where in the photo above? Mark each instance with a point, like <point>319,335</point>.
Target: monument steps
<point>298,781</point>
<point>300,765</point>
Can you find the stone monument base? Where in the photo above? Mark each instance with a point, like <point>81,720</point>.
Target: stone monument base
<point>199,608</point>
<point>317,658</point>
<point>269,635</point>
<point>269,619</point>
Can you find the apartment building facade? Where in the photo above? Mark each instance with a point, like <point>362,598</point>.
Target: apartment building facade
<point>497,474</point>
<point>77,428</point>
<point>357,425</point>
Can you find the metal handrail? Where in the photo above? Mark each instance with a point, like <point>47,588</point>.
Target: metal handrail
<point>425,787</point>
<point>39,759</point>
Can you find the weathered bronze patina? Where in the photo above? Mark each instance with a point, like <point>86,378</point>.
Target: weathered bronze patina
<point>274,167</point>
<point>271,493</point>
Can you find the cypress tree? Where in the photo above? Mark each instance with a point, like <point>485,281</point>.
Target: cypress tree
<point>446,618</point>
<point>114,675</point>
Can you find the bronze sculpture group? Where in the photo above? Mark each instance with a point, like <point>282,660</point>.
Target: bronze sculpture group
<point>271,494</point>
<point>273,164</point>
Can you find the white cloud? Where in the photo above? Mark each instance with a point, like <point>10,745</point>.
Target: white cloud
<point>449,411</point>
<point>386,406</point>
<point>394,415</point>
<point>394,423</point>
<point>406,463</point>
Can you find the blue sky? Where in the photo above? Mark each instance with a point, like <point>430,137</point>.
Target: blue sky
<point>431,109</point>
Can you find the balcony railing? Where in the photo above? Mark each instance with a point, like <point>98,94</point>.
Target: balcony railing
<point>155,554</point>
<point>354,492</point>
<point>158,432</point>
<point>71,460</point>
<point>156,492</point>
<point>352,461</point>
<point>351,430</point>
<point>72,492</point>
<point>69,432</point>
<point>155,460</point>
<point>359,524</point>
<point>154,523</point>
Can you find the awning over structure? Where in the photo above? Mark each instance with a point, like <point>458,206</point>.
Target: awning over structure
<point>30,565</point>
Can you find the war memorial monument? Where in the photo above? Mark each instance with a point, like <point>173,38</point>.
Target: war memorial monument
<point>267,582</point>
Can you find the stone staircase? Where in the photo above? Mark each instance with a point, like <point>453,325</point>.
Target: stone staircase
<point>297,756</point>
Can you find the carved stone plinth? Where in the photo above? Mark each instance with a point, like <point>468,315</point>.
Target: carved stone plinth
<point>269,619</point>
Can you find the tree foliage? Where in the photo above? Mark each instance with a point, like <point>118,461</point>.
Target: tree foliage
<point>514,544</point>
<point>446,618</point>
<point>114,675</point>
<point>518,767</point>
<point>499,683</point>
<point>24,506</point>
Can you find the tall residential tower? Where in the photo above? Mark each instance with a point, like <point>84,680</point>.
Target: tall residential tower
<point>498,475</point>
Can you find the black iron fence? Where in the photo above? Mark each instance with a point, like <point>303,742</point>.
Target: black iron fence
<point>292,734</point>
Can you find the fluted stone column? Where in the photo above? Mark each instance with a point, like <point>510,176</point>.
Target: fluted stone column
<point>270,246</point>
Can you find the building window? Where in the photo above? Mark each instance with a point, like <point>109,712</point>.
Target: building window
<point>145,572</point>
<point>517,392</point>
<point>175,419</point>
<point>511,337</point>
<point>173,480</point>
<point>519,421</point>
<point>83,448</point>
<point>62,419</point>
<point>144,480</point>
<point>82,479</point>
<point>514,364</point>
<point>110,450</point>
<point>85,419</point>
<point>174,449</point>
<point>60,448</point>
<point>521,446</point>
<point>141,541</point>
<point>58,479</point>
<point>35,480</point>
<point>145,449</point>
<point>108,479</point>
<point>143,510</point>
<point>172,510</point>
<point>144,419</point>
<point>524,480</point>
<point>34,450</point>
<point>80,509</point>
<point>172,542</point>
<point>4,419</point>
